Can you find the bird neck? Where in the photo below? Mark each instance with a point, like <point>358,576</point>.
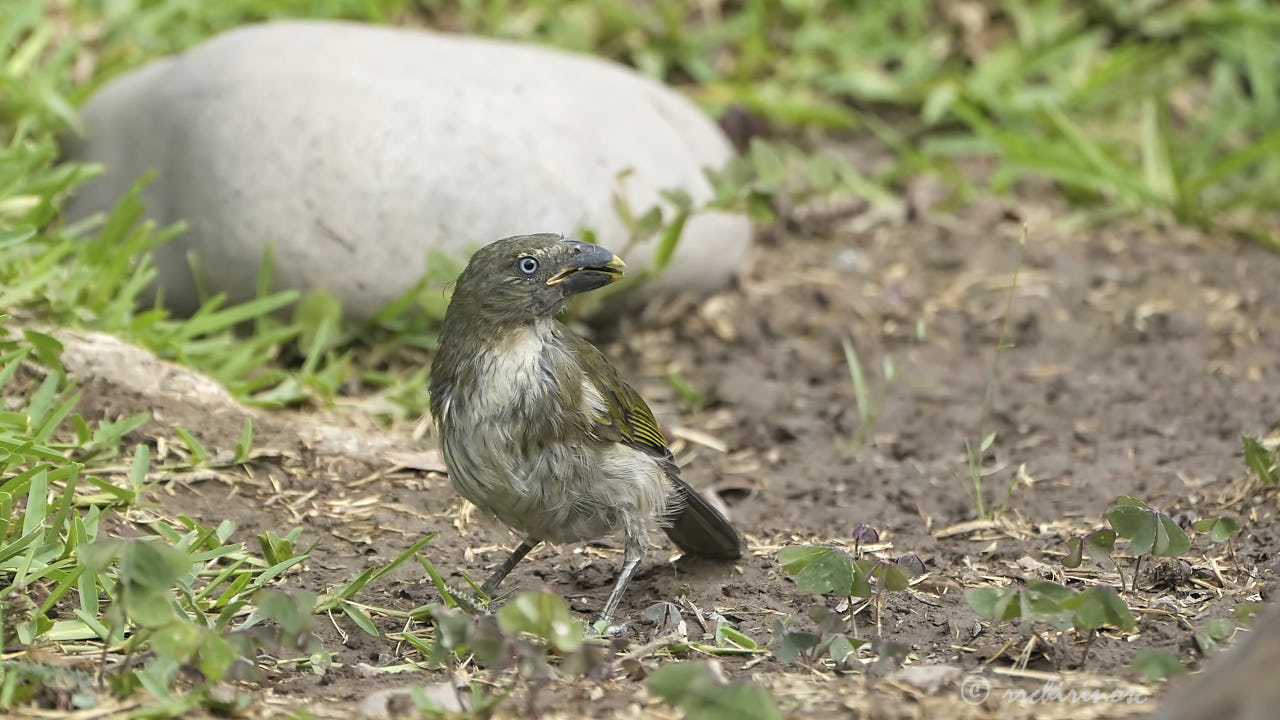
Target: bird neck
<point>507,375</point>
<point>469,341</point>
<point>475,332</point>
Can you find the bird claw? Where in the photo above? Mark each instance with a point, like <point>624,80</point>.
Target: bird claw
<point>472,604</point>
<point>476,603</point>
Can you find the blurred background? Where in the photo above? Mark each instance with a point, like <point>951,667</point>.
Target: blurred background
<point>1167,110</point>
<point>1166,107</point>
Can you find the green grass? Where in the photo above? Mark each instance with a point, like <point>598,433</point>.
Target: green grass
<point>184,592</point>
<point>165,617</point>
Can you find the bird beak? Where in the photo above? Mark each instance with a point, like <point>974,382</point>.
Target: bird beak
<point>590,267</point>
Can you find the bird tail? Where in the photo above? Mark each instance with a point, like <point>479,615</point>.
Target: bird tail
<point>698,528</point>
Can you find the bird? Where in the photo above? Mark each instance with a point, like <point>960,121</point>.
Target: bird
<point>538,429</point>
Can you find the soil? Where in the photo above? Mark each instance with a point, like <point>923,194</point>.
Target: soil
<point>1136,358</point>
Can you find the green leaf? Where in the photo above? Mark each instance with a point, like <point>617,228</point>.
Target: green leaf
<point>987,442</point>
<point>823,173</point>
<point>1099,544</point>
<point>348,590</point>
<point>938,102</point>
<point>648,223</point>
<point>544,615</point>
<point>692,687</point>
<point>320,316</point>
<point>1261,462</point>
<point>1098,607</point>
<point>1157,158</point>
<point>794,644</point>
<point>198,454</point>
<point>621,207</point>
<point>1075,553</point>
<point>725,633</point>
<point>445,593</point>
<point>1232,163</point>
<point>358,616</point>
<point>820,570</point>
<point>153,565</point>
<point>109,434</point>
<point>862,573</point>
<point>246,442</point>
<point>1156,665</point>
<point>994,604</point>
<point>138,471</point>
<point>207,320</point>
<point>418,643</point>
<point>767,162</point>
<point>1246,612</point>
<point>178,643</point>
<point>679,198</point>
<point>37,499</point>
<point>1210,634</point>
<point>93,624</point>
<point>48,349</point>
<point>149,608</point>
<point>1171,540</point>
<point>96,556</point>
<point>1043,600</point>
<point>15,236</point>
<point>894,577</point>
<point>670,238</point>
<point>843,649</point>
<point>216,656</point>
<point>293,610</point>
<point>1220,529</point>
<point>452,627</point>
<point>225,528</point>
<point>1051,592</point>
<point>83,433</point>
<point>1137,524</point>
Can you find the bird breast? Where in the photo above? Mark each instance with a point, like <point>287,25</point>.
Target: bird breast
<point>517,446</point>
<point>514,372</point>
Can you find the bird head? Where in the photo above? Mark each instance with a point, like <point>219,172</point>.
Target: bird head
<point>524,278</point>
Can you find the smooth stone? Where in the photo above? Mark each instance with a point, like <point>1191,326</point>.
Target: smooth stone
<point>353,149</point>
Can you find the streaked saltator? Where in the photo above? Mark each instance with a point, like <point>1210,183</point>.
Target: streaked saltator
<point>536,426</point>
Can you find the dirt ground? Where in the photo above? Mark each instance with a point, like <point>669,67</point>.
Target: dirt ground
<point>1139,355</point>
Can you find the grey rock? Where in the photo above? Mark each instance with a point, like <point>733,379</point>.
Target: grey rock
<point>398,702</point>
<point>353,149</point>
<point>929,679</point>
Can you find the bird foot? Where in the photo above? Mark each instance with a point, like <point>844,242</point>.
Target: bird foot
<point>476,603</point>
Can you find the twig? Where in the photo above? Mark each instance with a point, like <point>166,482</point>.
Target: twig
<point>652,646</point>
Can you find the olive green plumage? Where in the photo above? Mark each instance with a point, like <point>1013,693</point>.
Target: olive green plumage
<point>536,426</point>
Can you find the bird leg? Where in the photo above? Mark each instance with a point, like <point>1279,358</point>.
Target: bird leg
<point>630,561</point>
<point>508,565</point>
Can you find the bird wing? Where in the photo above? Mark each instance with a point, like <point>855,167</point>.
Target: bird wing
<point>625,418</point>
<point>694,524</point>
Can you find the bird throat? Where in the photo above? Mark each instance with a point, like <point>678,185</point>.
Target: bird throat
<point>512,369</point>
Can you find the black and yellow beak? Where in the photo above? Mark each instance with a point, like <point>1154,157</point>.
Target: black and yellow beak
<point>588,267</point>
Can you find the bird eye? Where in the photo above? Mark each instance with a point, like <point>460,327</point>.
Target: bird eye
<point>527,265</point>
